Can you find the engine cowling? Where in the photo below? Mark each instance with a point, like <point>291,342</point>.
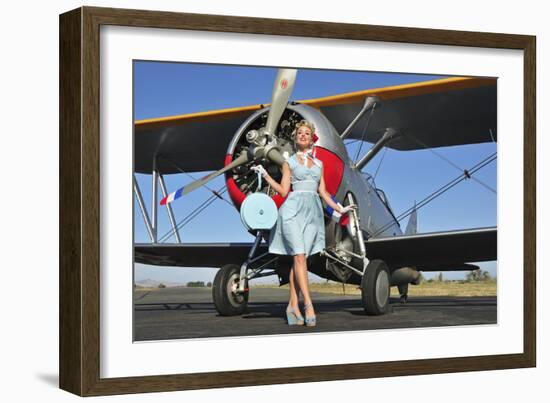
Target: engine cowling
<point>329,149</point>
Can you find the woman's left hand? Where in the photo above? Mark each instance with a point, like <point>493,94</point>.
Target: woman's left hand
<point>344,210</point>
<point>260,169</point>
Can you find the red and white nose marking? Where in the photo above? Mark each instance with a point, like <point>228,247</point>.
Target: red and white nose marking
<point>333,170</point>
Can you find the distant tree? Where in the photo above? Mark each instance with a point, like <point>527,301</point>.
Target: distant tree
<point>439,277</point>
<point>421,278</point>
<point>162,285</point>
<point>478,275</point>
<point>195,284</point>
<point>209,284</point>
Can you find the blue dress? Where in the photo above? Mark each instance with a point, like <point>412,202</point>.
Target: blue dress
<point>300,224</point>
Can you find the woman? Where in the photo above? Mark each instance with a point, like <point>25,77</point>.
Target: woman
<point>300,228</point>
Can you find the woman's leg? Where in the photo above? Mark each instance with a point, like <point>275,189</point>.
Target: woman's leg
<point>293,298</point>
<point>300,270</point>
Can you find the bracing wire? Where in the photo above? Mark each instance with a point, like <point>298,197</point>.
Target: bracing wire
<point>199,209</point>
<point>367,123</point>
<point>379,163</point>
<point>189,217</point>
<point>451,163</point>
<point>465,175</point>
<point>192,177</point>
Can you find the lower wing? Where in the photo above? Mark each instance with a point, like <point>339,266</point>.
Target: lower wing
<point>437,251</point>
<point>193,254</point>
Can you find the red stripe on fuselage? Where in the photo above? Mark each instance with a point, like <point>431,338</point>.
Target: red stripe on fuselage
<point>333,169</point>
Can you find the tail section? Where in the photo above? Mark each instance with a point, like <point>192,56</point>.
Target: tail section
<point>412,224</point>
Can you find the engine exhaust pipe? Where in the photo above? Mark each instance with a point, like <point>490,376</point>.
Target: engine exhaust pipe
<point>405,275</point>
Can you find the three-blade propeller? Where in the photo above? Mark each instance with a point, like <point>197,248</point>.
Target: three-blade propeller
<point>282,89</point>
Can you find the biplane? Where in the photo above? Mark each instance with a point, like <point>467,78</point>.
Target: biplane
<point>367,247</point>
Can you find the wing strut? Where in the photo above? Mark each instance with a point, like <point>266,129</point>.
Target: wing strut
<point>389,135</point>
<point>151,223</point>
<point>144,214</point>
<point>370,103</point>
<point>169,210</point>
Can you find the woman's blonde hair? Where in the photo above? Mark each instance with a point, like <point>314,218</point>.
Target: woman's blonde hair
<point>305,123</point>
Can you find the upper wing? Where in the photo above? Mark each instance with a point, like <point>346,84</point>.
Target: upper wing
<point>186,138</point>
<point>437,250</point>
<point>445,112</point>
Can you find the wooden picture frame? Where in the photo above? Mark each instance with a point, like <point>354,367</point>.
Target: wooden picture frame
<point>80,199</point>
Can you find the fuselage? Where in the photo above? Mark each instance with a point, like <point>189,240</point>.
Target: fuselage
<point>340,174</point>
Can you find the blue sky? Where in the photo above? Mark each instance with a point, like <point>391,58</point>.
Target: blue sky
<point>165,89</point>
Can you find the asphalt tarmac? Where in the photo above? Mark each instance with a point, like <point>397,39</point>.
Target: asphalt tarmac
<point>181,313</point>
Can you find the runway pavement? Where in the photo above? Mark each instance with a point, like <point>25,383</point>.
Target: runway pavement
<point>180,313</point>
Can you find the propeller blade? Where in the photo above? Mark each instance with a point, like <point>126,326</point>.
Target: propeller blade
<point>282,89</point>
<point>241,159</point>
<point>275,156</point>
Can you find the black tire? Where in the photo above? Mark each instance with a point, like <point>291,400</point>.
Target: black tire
<point>226,301</point>
<point>375,288</point>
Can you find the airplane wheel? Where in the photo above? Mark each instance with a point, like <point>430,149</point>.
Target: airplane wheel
<point>226,300</point>
<point>375,288</point>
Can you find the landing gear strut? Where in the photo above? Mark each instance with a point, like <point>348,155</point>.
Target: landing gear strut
<point>230,287</point>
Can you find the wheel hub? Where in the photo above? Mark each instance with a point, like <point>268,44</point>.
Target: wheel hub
<point>382,288</point>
